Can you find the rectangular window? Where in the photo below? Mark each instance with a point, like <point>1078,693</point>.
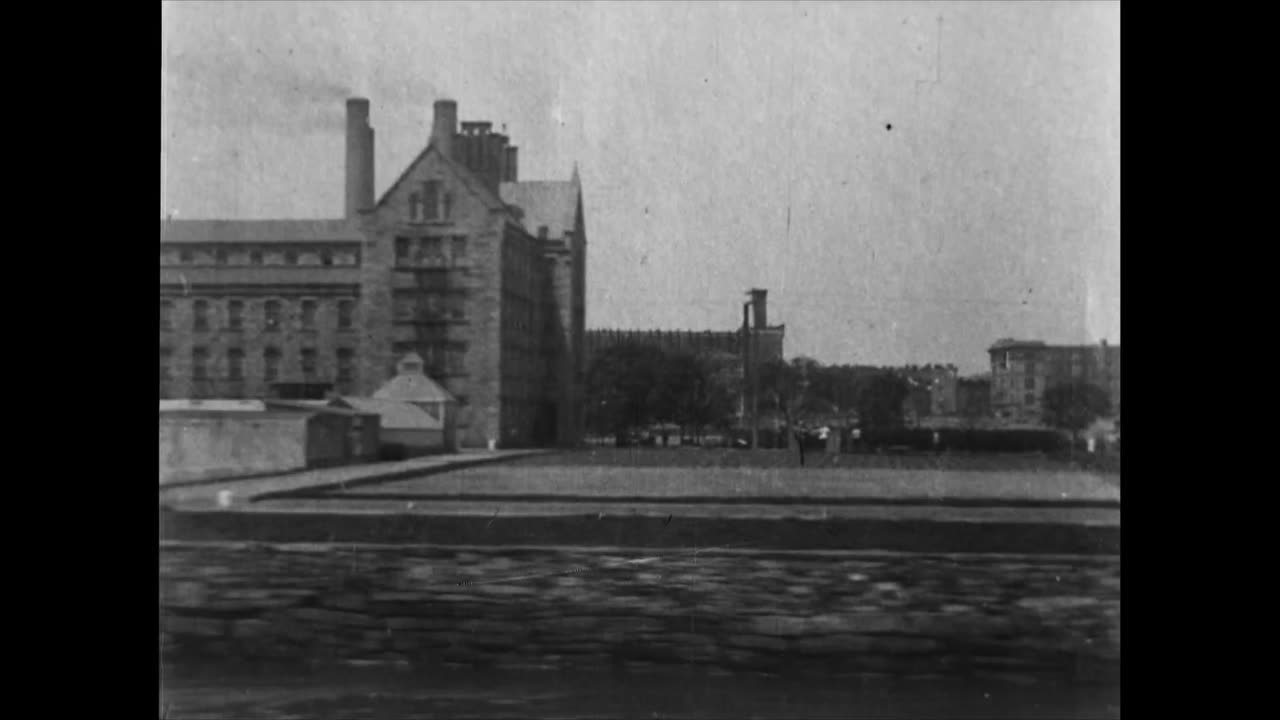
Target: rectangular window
<point>166,315</point>
<point>346,314</point>
<point>429,252</point>
<point>271,315</point>
<point>346,365</point>
<point>200,311</point>
<point>235,364</point>
<point>431,199</point>
<point>402,251</point>
<point>290,257</point>
<point>308,362</point>
<point>235,314</point>
<point>271,365</point>
<point>459,250</point>
<point>255,257</point>
<point>199,363</point>
<point>185,256</point>
<point>1031,383</point>
<point>166,364</point>
<point>220,256</point>
<point>308,314</point>
<point>416,211</point>
<point>1029,398</point>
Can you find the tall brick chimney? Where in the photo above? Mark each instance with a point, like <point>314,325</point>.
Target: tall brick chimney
<point>759,309</point>
<point>359,195</point>
<point>444,126</point>
<point>511,173</point>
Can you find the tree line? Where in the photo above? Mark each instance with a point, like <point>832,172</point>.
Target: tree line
<point>632,387</point>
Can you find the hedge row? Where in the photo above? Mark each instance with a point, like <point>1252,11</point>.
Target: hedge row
<point>959,440</point>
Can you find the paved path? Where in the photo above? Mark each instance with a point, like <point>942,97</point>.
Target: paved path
<point>602,508</point>
<point>205,495</point>
<point>771,485</point>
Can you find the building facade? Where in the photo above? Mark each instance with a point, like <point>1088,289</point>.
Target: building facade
<point>1021,370</point>
<point>480,274</point>
<point>755,334</point>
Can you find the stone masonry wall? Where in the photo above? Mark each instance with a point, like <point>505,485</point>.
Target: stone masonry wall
<point>1009,617</point>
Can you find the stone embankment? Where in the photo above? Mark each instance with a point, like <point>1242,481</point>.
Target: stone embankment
<point>1012,617</point>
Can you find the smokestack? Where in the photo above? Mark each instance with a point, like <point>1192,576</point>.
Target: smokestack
<point>759,308</point>
<point>359,157</point>
<point>444,126</point>
<point>513,174</point>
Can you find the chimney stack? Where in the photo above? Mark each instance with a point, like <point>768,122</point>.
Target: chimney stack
<point>444,126</point>
<point>512,169</point>
<point>759,309</point>
<point>359,195</point>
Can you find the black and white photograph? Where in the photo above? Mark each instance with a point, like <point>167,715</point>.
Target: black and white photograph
<point>639,359</point>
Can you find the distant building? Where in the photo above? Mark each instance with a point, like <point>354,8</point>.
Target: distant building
<point>478,272</point>
<point>933,389</point>
<point>411,385</point>
<point>405,430</point>
<point>1021,370</point>
<point>756,334</point>
<point>973,397</point>
<point>216,438</point>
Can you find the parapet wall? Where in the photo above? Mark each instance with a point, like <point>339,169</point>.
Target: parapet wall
<point>1015,617</point>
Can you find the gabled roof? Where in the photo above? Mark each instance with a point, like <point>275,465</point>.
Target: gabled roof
<point>395,414</point>
<point>413,388</point>
<point>257,231</point>
<point>465,176</point>
<point>313,406</point>
<point>550,203</point>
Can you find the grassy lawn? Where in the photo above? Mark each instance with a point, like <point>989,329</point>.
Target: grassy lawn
<point>615,481</point>
<point>727,458</point>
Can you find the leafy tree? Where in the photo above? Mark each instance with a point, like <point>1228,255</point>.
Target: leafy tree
<point>786,388</point>
<point>880,402</point>
<point>1075,405</point>
<point>678,391</point>
<point>722,375</point>
<point>619,383</point>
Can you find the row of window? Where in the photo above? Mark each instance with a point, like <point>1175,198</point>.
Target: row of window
<point>429,203</point>
<point>271,361</point>
<point>225,256</point>
<point>272,314</point>
<point>429,307</point>
<point>430,251</point>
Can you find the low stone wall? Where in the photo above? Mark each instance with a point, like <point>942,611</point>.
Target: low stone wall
<point>913,615</point>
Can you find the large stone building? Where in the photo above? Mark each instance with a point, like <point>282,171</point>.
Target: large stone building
<point>1021,370</point>
<point>755,334</point>
<point>479,273</point>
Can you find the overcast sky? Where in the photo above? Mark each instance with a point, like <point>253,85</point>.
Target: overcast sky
<point>910,181</point>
